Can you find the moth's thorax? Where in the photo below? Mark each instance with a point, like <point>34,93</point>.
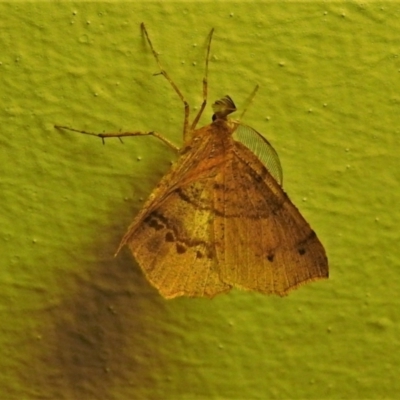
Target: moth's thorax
<point>212,141</point>
<point>222,128</point>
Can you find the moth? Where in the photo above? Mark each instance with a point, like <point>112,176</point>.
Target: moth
<point>219,219</point>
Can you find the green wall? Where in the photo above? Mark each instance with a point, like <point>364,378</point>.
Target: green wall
<point>77,323</point>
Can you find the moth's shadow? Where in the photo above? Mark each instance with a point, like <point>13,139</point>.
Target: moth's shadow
<point>99,328</point>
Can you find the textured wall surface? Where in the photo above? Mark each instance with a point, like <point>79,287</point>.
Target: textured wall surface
<point>77,323</point>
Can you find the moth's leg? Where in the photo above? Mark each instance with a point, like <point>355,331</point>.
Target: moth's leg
<point>119,135</point>
<point>205,83</point>
<point>172,83</point>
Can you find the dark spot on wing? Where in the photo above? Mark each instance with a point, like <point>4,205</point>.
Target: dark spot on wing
<point>153,223</point>
<point>180,249</point>
<point>302,251</point>
<point>169,237</point>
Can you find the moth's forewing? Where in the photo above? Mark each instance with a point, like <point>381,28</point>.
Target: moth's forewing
<point>172,237</point>
<point>273,247</point>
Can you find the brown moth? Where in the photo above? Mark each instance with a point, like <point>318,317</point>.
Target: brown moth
<point>219,218</point>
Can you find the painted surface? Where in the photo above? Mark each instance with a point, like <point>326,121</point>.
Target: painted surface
<point>77,323</point>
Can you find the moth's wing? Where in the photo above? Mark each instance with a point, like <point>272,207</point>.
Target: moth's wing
<point>172,237</point>
<point>261,147</point>
<point>181,172</point>
<point>262,241</point>
<point>174,243</point>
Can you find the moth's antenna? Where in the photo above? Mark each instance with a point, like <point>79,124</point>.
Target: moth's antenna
<point>205,83</point>
<point>249,101</point>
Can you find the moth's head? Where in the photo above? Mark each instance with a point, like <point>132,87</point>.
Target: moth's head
<point>222,108</point>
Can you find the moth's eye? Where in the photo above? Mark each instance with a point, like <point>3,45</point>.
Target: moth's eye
<point>214,117</point>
